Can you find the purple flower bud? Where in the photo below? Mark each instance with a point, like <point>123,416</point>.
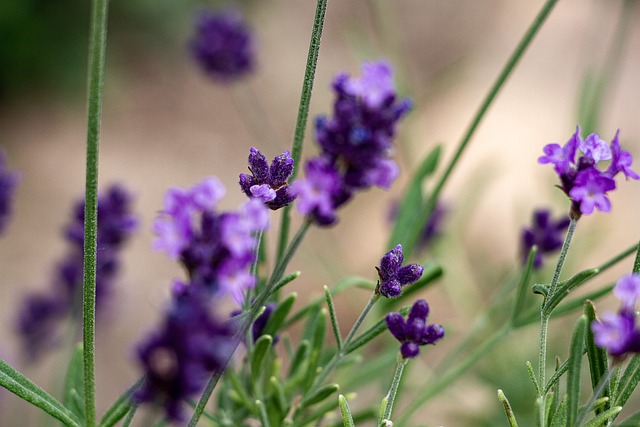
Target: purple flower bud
<point>546,233</point>
<point>627,290</point>
<point>415,332</point>
<point>9,180</point>
<point>393,276</point>
<point>268,183</point>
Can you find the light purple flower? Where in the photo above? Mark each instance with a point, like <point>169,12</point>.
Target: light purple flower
<point>614,332</point>
<point>268,183</point>
<point>627,290</point>
<point>596,148</point>
<point>562,157</point>
<point>375,85</point>
<point>590,188</point>
<point>621,160</point>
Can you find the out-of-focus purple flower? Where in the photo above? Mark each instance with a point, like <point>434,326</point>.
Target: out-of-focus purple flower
<point>356,143</point>
<point>546,233</point>
<point>268,183</point>
<point>581,180</point>
<point>8,183</point>
<point>393,276</point>
<point>217,249</point>
<point>41,313</point>
<point>617,332</point>
<point>223,45</point>
<point>414,332</point>
<point>179,357</point>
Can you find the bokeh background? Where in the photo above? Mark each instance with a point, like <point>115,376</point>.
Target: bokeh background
<point>166,124</point>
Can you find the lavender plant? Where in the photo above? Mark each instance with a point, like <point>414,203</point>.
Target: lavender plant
<point>236,346</point>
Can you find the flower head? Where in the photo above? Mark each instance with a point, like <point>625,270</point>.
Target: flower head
<point>393,276</point>
<point>268,183</point>
<point>546,233</point>
<point>617,332</point>
<point>8,182</point>
<point>181,355</point>
<point>414,332</point>
<point>581,180</point>
<point>223,45</point>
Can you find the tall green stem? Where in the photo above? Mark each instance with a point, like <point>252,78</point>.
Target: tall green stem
<point>97,47</point>
<point>480,113</point>
<point>391,396</point>
<point>303,114</point>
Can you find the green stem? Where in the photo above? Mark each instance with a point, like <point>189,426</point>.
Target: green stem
<point>303,113</point>
<point>261,298</point>
<point>484,106</point>
<point>391,396</point>
<point>97,47</point>
<point>553,287</point>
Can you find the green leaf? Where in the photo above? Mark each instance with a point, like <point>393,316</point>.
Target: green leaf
<point>317,344</point>
<point>632,421</point>
<point>559,418</point>
<point>334,318</point>
<point>301,355</point>
<point>258,355</point>
<point>279,315</point>
<point>280,396</point>
<point>345,412</point>
<point>573,373</point>
<point>319,395</point>
<point>262,412</point>
<point>597,356</point>
<point>411,205</point>
<point>120,407</point>
<point>567,286</point>
<point>523,281</point>
<point>604,416</point>
<point>285,281</point>
<point>628,381</point>
<point>24,388</point>
<point>533,378</point>
<point>507,409</point>
<point>237,391</point>
<point>74,384</point>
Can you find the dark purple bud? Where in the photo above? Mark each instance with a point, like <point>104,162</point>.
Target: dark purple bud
<point>258,165</point>
<point>419,310</point>
<point>391,262</point>
<point>431,334</point>
<point>396,325</point>
<point>410,273</point>
<point>281,169</point>
<point>415,329</point>
<point>390,289</point>
<point>409,349</point>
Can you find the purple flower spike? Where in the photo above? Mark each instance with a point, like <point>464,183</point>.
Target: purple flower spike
<point>268,183</point>
<point>393,276</point>
<point>581,179</point>
<point>9,180</point>
<point>627,290</point>
<point>546,233</point>
<point>414,332</point>
<point>223,45</point>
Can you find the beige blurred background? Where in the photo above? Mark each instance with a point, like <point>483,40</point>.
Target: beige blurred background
<point>165,124</point>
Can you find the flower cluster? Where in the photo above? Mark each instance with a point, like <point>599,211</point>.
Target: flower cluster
<point>216,249</point>
<point>8,182</point>
<point>179,358</point>
<point>355,144</point>
<point>414,332</point>
<point>223,45</point>
<point>42,312</point>
<point>546,233</point>
<point>393,276</point>
<point>268,183</point>
<point>581,180</point>
<point>617,332</point>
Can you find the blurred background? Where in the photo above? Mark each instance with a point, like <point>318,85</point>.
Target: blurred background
<point>167,124</point>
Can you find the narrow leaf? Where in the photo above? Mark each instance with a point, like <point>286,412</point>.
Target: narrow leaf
<point>600,419</point>
<point>523,282</point>
<point>319,395</point>
<point>302,353</point>
<point>280,396</point>
<point>567,286</point>
<point>534,380</point>
<point>632,421</point>
<point>24,388</point>
<point>120,407</point>
<point>262,412</point>
<point>559,418</point>
<point>597,356</point>
<point>347,418</point>
<point>279,315</point>
<point>258,355</point>
<point>573,374</point>
<point>507,409</point>
<point>334,318</point>
<point>74,384</point>
<point>628,381</point>
<point>285,281</point>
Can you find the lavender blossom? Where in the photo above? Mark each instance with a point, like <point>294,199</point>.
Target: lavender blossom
<point>393,276</point>
<point>181,355</point>
<point>355,143</point>
<point>223,45</point>
<point>8,183</point>
<point>268,183</point>
<point>41,313</point>
<point>546,233</point>
<point>414,332</point>
<point>581,180</point>
<point>216,249</point>
<point>617,332</point>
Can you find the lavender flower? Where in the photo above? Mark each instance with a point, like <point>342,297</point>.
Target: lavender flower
<point>41,313</point>
<point>179,358</point>
<point>8,182</point>
<point>393,275</point>
<point>223,45</point>
<point>414,332</point>
<point>617,332</point>
<point>546,233</point>
<point>581,180</point>
<point>268,183</point>
<point>216,249</point>
<point>355,143</point>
